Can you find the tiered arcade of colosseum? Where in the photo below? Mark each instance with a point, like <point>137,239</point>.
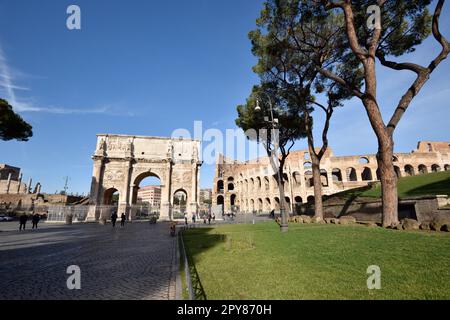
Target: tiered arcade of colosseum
<point>250,186</point>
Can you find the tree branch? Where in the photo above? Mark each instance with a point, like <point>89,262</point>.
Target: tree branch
<point>342,82</point>
<point>422,76</point>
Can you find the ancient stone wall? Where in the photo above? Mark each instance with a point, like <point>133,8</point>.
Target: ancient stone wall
<point>251,187</point>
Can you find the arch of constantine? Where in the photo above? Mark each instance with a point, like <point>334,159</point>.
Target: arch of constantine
<point>250,186</point>
<point>121,162</point>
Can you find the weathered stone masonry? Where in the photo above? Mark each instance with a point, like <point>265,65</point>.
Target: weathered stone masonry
<point>121,162</point>
<point>250,186</point>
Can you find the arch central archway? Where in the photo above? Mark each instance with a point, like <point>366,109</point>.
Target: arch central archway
<point>146,195</point>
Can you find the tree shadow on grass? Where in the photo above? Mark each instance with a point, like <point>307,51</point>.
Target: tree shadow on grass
<point>438,187</point>
<point>197,241</point>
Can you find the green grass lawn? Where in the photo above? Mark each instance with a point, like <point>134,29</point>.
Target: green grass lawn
<point>420,185</point>
<point>318,262</point>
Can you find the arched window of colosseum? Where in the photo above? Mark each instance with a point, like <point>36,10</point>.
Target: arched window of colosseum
<point>230,179</point>
<point>307,165</point>
<point>220,200</point>
<point>324,178</point>
<point>435,168</point>
<point>409,170</point>
<point>395,158</point>
<point>252,184</point>
<point>363,160</point>
<point>220,186</point>
<point>397,172</point>
<point>447,167</point>
<point>309,182</point>
<point>367,174</point>
<point>260,205</point>
<point>297,178</point>
<point>277,203</point>
<point>298,205</point>
<point>310,200</point>
<point>337,175</point>
<point>423,169</point>
<point>258,184</point>
<point>351,174</point>
<point>233,199</point>
<point>267,205</point>
<point>288,204</point>
<point>252,205</point>
<point>230,187</point>
<point>266,183</point>
<point>285,177</point>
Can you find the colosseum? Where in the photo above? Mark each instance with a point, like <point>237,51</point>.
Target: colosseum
<point>250,187</point>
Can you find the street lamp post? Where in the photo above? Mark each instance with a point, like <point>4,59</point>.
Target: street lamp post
<point>284,220</point>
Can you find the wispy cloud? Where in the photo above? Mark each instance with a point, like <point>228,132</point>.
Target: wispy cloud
<point>6,83</point>
<point>25,107</point>
<point>8,88</point>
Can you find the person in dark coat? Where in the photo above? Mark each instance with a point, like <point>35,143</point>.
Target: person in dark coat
<point>114,219</point>
<point>35,220</point>
<point>122,220</point>
<point>23,221</point>
<point>209,218</point>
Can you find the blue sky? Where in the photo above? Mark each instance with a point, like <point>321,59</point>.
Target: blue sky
<point>150,67</point>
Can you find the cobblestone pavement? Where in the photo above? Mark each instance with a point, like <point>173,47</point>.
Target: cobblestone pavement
<point>135,262</point>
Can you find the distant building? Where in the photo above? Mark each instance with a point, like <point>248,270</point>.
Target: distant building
<point>11,181</point>
<point>150,194</point>
<point>6,170</point>
<point>205,195</point>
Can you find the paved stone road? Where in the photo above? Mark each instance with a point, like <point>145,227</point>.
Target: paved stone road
<point>136,262</point>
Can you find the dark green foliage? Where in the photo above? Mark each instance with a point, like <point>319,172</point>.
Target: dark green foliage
<point>404,25</point>
<point>12,126</point>
<point>290,125</point>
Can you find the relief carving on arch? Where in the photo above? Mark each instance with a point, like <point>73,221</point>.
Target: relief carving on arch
<point>113,175</point>
<point>118,145</point>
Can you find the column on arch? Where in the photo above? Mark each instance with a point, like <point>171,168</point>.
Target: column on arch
<point>125,192</point>
<point>193,200</point>
<point>166,190</point>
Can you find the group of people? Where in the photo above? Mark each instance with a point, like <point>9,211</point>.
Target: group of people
<point>114,217</point>
<point>24,218</point>
<point>207,217</point>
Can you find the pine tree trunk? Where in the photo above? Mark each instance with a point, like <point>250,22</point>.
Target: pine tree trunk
<point>318,205</point>
<point>385,155</point>
<point>388,178</point>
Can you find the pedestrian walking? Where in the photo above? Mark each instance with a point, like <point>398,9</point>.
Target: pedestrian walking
<point>185,219</point>
<point>35,220</point>
<point>209,218</point>
<point>122,220</point>
<point>114,219</point>
<point>23,221</point>
<point>272,214</point>
<point>193,218</point>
